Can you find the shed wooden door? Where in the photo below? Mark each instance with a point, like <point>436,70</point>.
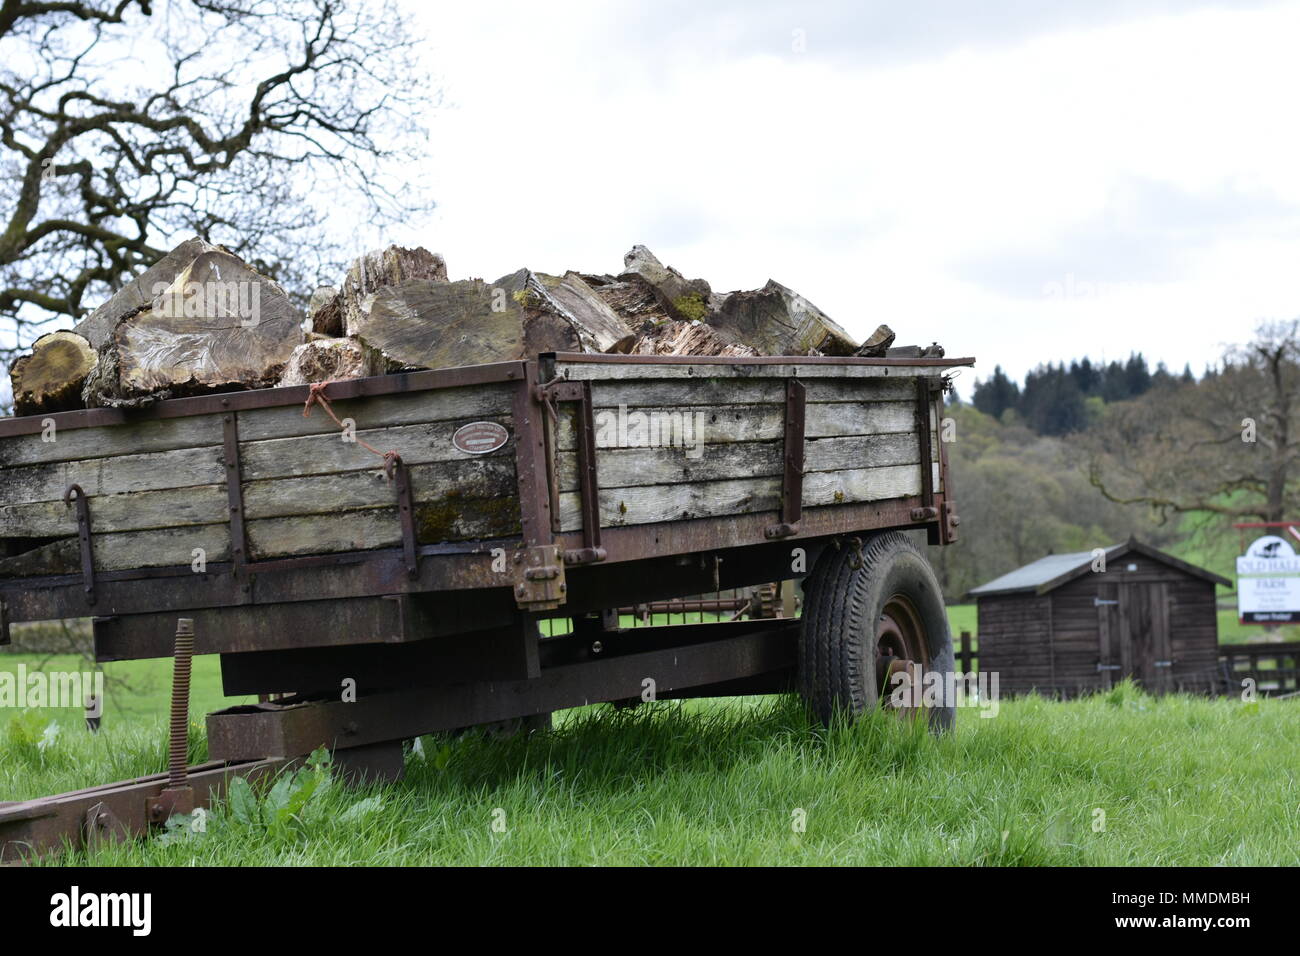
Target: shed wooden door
<point>1133,635</point>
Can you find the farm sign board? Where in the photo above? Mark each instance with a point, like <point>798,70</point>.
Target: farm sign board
<point>1268,582</point>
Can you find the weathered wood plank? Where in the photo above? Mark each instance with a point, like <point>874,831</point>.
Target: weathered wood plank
<point>180,468</point>
<point>449,482</point>
<point>650,503</point>
<point>725,424</point>
<point>437,520</point>
<point>379,528</point>
<point>285,421</point>
<point>119,552</point>
<point>677,393</point>
<point>322,454</point>
<point>485,478</point>
<point>72,444</point>
<point>382,411</point>
<point>632,467</point>
<point>133,511</point>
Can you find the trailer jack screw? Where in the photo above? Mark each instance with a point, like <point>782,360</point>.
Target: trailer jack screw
<point>178,755</point>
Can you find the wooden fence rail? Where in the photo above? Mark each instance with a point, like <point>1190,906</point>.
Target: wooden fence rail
<point>1274,668</point>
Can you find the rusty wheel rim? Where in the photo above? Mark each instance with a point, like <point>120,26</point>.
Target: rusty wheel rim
<point>901,645</point>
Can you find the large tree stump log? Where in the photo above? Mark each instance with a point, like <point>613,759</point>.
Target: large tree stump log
<point>426,324</point>
<point>220,326</point>
<point>686,338</point>
<point>877,343</point>
<point>328,360</point>
<point>682,298</point>
<point>598,326</point>
<point>778,321</point>
<point>344,313</point>
<point>631,298</point>
<point>52,377</point>
<point>98,326</point>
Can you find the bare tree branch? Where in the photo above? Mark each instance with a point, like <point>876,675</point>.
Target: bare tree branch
<point>268,119</point>
<point>1227,446</point>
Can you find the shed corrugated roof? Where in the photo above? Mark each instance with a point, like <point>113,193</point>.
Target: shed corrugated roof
<point>1037,573</point>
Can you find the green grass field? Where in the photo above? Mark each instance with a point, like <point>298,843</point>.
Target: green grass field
<point>1116,779</point>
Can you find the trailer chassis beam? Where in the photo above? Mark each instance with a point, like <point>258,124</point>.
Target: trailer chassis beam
<point>291,728</point>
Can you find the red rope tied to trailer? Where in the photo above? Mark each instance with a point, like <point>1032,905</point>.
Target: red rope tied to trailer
<point>316,396</point>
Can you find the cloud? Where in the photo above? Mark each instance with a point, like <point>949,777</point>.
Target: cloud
<point>934,166</point>
<point>1146,232</point>
<point>880,33</point>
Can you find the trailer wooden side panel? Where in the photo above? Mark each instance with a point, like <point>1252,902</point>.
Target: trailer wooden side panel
<point>157,492</point>
<point>688,441</point>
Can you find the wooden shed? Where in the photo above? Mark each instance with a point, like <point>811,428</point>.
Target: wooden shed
<point>1061,625</point>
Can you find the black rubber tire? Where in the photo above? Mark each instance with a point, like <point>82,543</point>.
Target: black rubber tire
<point>842,605</point>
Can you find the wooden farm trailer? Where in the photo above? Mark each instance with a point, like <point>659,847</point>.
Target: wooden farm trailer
<point>1061,626</point>
<point>518,491</point>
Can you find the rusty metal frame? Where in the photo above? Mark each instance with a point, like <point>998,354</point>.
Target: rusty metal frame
<point>112,812</point>
<point>457,566</point>
<point>329,622</point>
<point>538,568</point>
<point>928,510</point>
<point>742,650</point>
<point>949,520</point>
<point>235,500</point>
<point>76,496</point>
<point>600,358</point>
<point>395,586</point>
<point>267,398</point>
<point>796,408</point>
<point>579,394</point>
<point>406,517</point>
<point>446,568</point>
<point>588,482</point>
<point>530,461</point>
<point>924,409</point>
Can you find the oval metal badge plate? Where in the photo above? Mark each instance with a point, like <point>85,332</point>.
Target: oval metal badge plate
<point>479,438</point>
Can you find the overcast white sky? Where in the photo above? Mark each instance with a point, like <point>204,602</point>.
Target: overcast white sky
<point>1019,181</point>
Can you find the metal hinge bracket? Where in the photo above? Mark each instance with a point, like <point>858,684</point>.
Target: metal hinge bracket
<point>539,583</point>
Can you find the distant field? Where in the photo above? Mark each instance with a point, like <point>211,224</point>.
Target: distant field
<point>1115,779</point>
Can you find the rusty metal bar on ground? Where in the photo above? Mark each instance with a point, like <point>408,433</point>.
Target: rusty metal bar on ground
<point>114,811</point>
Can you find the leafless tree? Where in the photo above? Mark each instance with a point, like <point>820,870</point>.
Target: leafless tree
<point>1228,445</point>
<point>128,125</point>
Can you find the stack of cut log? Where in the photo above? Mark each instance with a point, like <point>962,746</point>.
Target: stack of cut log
<point>203,320</point>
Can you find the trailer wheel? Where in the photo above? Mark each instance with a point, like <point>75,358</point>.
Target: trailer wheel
<point>872,610</point>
